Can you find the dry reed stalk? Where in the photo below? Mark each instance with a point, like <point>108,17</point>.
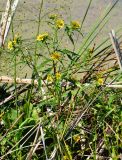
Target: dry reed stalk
<point>36,140</point>
<point>11,14</point>
<point>12,96</point>
<point>5,79</point>
<point>116,47</point>
<point>115,86</point>
<point>6,20</point>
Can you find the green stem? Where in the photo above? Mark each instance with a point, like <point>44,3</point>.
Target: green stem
<point>35,55</point>
<point>15,85</point>
<point>15,72</point>
<point>39,23</point>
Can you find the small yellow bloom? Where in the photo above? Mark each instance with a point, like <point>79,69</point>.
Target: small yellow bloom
<point>76,138</point>
<point>14,41</point>
<point>55,56</point>
<point>60,23</point>
<point>49,78</point>
<point>42,37</point>
<point>58,75</point>
<point>10,45</point>
<point>75,24</point>
<point>65,158</point>
<point>100,81</point>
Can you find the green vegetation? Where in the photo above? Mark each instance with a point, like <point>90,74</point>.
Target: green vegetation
<point>70,114</point>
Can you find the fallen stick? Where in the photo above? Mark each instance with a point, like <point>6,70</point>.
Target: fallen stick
<point>116,83</point>
<point>114,86</point>
<point>116,47</point>
<point>12,96</point>
<point>5,79</point>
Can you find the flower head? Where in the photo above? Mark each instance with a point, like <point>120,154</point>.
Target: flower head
<point>55,56</point>
<point>16,40</point>
<point>76,138</point>
<point>58,75</point>
<point>10,45</point>
<point>100,81</point>
<point>42,37</point>
<point>60,23</point>
<point>75,24</point>
<point>65,158</point>
<point>49,78</point>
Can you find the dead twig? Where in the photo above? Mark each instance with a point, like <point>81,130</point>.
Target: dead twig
<point>12,96</point>
<point>116,47</point>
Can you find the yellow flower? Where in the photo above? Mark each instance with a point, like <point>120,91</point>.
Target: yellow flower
<point>65,158</point>
<point>76,138</point>
<point>55,56</point>
<point>100,81</point>
<point>10,45</point>
<point>49,78</point>
<point>14,41</point>
<point>60,23</point>
<point>42,37</point>
<point>75,24</point>
<point>58,75</point>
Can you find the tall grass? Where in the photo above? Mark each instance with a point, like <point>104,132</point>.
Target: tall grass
<point>71,113</point>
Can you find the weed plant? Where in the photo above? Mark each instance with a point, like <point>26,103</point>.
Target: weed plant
<point>70,114</point>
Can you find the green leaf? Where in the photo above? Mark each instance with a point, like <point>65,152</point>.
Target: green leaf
<point>28,121</point>
<point>43,64</point>
<point>71,55</point>
<point>111,99</point>
<point>35,115</point>
<point>78,84</point>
